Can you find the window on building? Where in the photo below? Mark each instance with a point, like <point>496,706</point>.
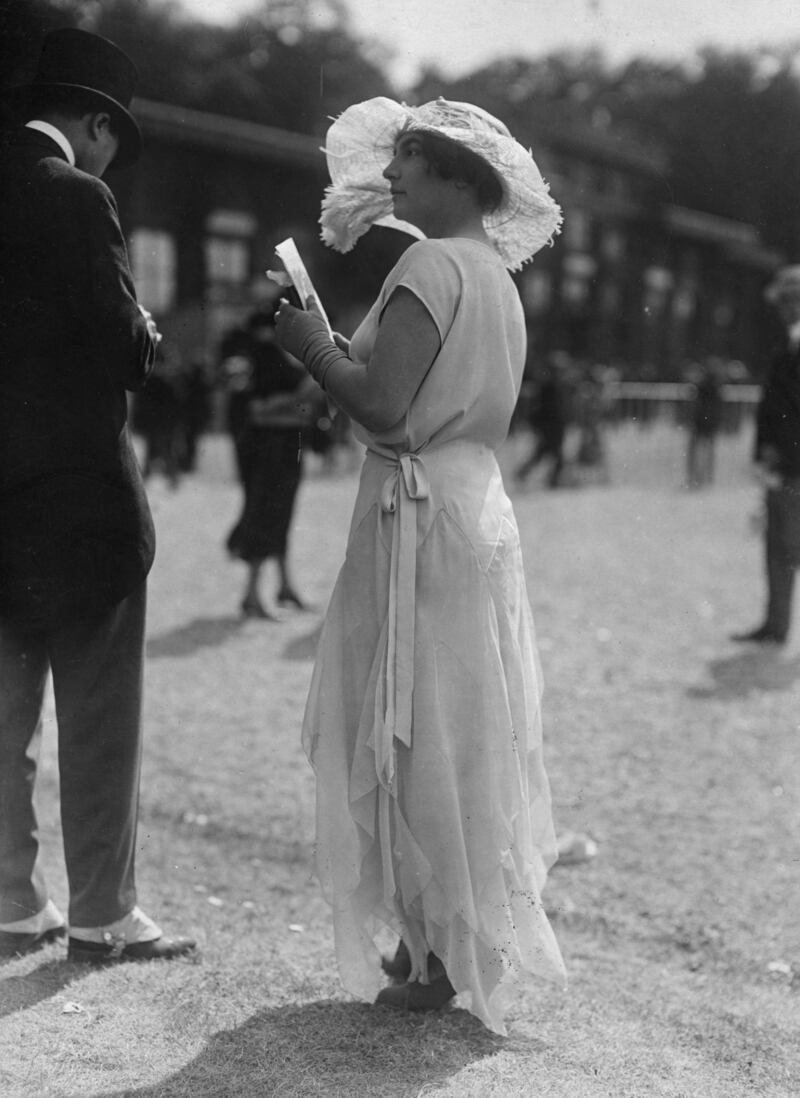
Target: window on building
<point>153,260</point>
<point>613,245</point>
<point>579,271</point>
<point>227,260</point>
<point>684,301</point>
<point>227,247</point>
<point>574,289</point>
<point>658,282</point>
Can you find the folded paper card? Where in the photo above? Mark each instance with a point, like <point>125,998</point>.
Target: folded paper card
<point>296,270</point>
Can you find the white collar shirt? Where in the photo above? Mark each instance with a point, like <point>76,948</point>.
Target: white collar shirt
<point>56,135</point>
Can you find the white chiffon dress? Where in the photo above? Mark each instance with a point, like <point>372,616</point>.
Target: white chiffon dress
<point>423,717</point>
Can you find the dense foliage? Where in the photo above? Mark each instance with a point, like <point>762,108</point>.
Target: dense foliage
<point>291,64</point>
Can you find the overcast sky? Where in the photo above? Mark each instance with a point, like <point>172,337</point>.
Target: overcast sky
<point>460,35</point>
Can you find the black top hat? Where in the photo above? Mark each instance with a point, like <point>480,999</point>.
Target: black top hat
<point>73,58</point>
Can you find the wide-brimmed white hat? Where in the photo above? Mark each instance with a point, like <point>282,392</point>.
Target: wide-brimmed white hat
<point>786,283</point>
<point>360,144</point>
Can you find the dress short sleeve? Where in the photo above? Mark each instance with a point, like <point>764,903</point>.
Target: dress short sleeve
<point>431,274</point>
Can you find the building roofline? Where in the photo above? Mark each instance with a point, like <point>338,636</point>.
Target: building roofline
<point>740,240</point>
<point>706,226</point>
<point>260,141</point>
<point>608,146</point>
<point>227,134</point>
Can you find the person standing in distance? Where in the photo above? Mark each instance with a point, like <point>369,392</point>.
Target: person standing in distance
<point>777,456</point>
<point>76,537</point>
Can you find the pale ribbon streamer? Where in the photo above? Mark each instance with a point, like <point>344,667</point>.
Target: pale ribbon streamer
<point>405,485</point>
<point>403,488</point>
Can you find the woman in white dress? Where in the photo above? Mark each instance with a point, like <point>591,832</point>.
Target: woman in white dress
<point>423,718</point>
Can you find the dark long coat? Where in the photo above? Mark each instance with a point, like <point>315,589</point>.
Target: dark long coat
<point>778,421</point>
<point>75,529</point>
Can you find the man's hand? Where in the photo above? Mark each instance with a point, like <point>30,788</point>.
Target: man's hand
<point>152,330</point>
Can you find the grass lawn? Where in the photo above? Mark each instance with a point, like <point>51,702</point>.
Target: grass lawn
<point>677,751</point>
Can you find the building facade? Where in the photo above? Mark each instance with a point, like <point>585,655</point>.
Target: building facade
<point>632,281</point>
<point>635,280</point>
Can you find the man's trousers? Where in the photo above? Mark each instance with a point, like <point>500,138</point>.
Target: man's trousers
<point>782,555</point>
<point>97,670</point>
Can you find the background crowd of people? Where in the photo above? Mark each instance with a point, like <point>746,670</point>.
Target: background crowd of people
<point>566,409</point>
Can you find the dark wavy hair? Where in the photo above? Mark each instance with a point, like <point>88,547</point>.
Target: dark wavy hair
<point>453,161</point>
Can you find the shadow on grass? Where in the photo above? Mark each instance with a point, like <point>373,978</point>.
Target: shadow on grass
<point>748,672</point>
<point>333,1049</point>
<point>196,634</point>
<point>22,992</point>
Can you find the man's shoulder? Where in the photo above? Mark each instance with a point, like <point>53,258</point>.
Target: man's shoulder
<point>35,156</point>
<point>74,180</point>
<point>84,196</point>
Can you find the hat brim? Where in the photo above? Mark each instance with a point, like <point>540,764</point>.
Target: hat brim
<point>360,143</point>
<point>128,132</point>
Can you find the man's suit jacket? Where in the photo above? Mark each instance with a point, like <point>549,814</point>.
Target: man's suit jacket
<point>76,535</point>
<point>778,420</point>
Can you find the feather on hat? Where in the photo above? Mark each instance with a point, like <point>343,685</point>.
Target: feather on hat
<point>360,143</point>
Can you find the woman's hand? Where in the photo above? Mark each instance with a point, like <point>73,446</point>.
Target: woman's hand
<point>296,328</point>
<point>306,335</point>
<point>312,305</point>
<point>342,343</point>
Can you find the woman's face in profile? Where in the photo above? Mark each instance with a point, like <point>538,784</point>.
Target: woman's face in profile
<point>419,194</point>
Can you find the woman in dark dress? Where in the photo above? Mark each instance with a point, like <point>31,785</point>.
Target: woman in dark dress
<point>270,404</point>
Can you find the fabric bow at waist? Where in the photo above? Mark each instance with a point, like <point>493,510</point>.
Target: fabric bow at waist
<point>405,485</point>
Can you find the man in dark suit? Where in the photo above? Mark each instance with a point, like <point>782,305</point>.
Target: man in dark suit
<point>76,536</point>
<point>777,454</point>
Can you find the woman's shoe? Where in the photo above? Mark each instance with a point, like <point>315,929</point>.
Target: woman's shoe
<point>287,596</point>
<point>417,997</point>
<point>254,608</point>
<point>399,966</point>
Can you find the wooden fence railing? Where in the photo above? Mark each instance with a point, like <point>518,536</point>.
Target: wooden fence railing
<point>646,402</point>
